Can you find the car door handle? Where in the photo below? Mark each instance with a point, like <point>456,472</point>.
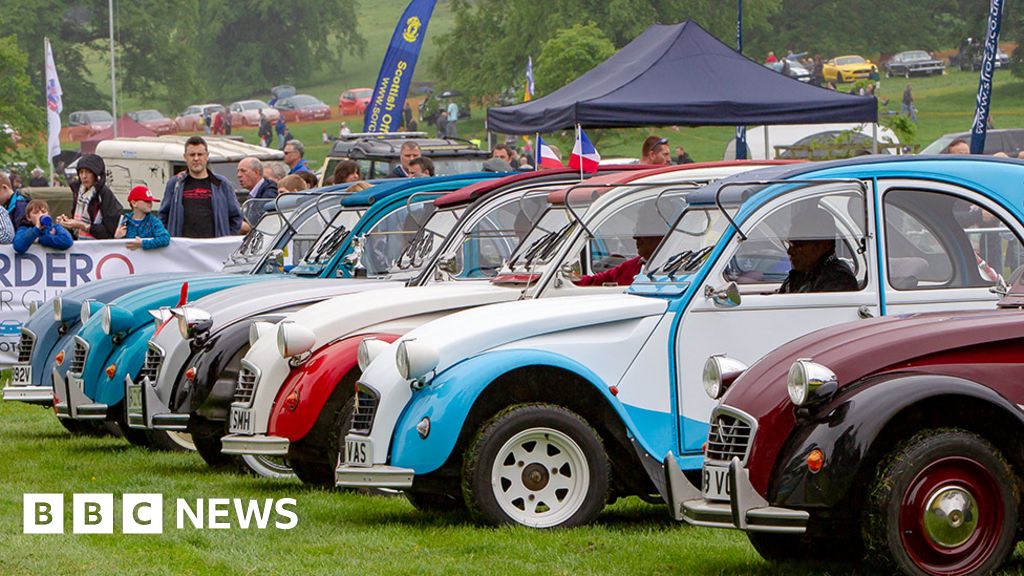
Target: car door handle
<point>864,312</point>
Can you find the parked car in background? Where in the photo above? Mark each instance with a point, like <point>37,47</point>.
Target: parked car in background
<point>795,134</point>
<point>302,108</point>
<point>354,101</point>
<point>191,120</point>
<point>378,154</point>
<point>913,62</point>
<point>281,91</point>
<point>247,112</point>
<point>84,123</point>
<point>971,53</point>
<point>791,68</point>
<point>848,69</point>
<point>155,121</point>
<point>1007,140</point>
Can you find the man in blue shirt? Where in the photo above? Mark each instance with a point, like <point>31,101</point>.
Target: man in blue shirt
<point>293,157</point>
<point>453,117</point>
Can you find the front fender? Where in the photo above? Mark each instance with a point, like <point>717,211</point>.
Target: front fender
<point>848,427</point>
<point>449,399</point>
<point>128,357</point>
<point>315,381</point>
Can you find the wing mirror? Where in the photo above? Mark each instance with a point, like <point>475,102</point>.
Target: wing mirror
<point>728,297</point>
<point>572,270</point>
<point>448,264</point>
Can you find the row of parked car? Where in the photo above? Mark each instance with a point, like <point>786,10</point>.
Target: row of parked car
<point>434,337</point>
<point>852,67</point>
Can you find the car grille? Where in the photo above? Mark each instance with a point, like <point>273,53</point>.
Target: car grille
<point>365,409</point>
<point>25,346</point>
<point>78,355</point>
<point>729,437</point>
<point>245,389</point>
<point>151,365</point>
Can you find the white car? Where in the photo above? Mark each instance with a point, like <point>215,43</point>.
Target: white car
<point>538,412</point>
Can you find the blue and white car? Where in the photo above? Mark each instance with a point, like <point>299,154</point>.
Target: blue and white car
<point>539,412</point>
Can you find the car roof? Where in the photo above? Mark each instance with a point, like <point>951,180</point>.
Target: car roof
<point>474,191</point>
<point>390,148</point>
<point>388,187</point>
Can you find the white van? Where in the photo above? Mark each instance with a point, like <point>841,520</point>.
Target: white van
<point>152,160</point>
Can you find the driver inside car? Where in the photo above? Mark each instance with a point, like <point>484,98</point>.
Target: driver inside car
<point>647,234</point>
<point>812,253</point>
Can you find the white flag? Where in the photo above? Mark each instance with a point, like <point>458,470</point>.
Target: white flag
<point>54,105</point>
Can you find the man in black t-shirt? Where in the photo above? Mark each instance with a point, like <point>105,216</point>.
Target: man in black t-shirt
<point>198,203</point>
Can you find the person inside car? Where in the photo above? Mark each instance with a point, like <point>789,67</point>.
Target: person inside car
<point>648,233</point>
<point>812,254</point>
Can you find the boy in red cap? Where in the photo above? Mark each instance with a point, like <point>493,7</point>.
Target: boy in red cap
<point>145,230</point>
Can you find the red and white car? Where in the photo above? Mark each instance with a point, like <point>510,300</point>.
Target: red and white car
<point>191,120</point>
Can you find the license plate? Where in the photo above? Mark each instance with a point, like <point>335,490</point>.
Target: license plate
<point>241,421</point>
<point>358,451</point>
<point>716,483</point>
<point>21,374</point>
<point>133,397</point>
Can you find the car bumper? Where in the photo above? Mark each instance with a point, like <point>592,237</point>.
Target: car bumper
<point>145,409</point>
<point>41,395</point>
<point>377,476</point>
<point>746,510</point>
<point>928,69</point>
<point>256,444</point>
<point>76,405</point>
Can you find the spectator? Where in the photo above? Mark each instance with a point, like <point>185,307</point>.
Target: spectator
<point>218,123</point>
<point>96,210</point>
<point>293,157</point>
<point>442,124</point>
<point>13,202</point>
<point>682,157</point>
<point>265,133</point>
<point>958,146</point>
<point>309,178</point>
<point>141,225</point>
<point>524,164</point>
<point>407,120</point>
<point>420,167</point>
<point>346,171</point>
<point>38,178</point>
<point>451,130</point>
<point>291,183</point>
<point>817,72</point>
<point>655,151</point>
<point>275,170</point>
<point>344,130</point>
<point>1020,155</point>
<point>771,57</point>
<point>501,152</point>
<point>198,203</point>
<point>250,176</point>
<point>6,228</point>
<point>39,225</point>
<point>496,165</point>
<point>282,129</point>
<point>907,108</point>
<point>227,123</point>
<point>410,151</point>
<point>207,121</point>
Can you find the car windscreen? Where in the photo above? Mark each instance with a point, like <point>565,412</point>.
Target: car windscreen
<point>849,60</point>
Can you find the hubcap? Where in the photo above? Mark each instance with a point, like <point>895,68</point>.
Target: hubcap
<point>540,477</point>
<point>951,516</point>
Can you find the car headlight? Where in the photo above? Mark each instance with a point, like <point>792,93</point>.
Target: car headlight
<point>161,315</point>
<point>65,309</point>
<point>719,373</point>
<point>192,321</point>
<point>258,329</point>
<point>369,349</point>
<point>105,319</point>
<point>89,307</point>
<point>115,320</point>
<point>33,307</point>
<point>415,360</point>
<point>294,339</point>
<point>808,382</point>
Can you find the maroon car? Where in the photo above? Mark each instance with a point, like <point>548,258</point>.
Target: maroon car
<point>155,121</point>
<point>302,108</point>
<point>897,438</point>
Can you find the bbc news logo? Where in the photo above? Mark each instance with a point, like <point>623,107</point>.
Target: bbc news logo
<point>144,514</point>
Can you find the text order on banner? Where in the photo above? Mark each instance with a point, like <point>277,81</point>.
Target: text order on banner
<point>41,274</point>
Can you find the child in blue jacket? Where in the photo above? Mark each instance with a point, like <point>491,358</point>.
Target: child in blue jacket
<point>38,225</point>
<point>145,230</point>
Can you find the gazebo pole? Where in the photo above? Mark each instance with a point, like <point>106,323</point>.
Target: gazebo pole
<point>874,137</point>
<point>767,146</point>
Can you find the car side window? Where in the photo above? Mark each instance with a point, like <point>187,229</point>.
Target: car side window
<point>815,244</point>
<point>622,236</point>
<point>938,240</point>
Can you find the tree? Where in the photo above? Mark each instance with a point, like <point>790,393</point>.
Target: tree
<point>22,109</point>
<point>569,54</point>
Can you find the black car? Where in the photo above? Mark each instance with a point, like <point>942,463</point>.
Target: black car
<point>379,153</point>
<point>913,62</point>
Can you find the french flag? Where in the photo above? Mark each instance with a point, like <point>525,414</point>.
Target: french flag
<point>584,155</point>
<point>546,157</point>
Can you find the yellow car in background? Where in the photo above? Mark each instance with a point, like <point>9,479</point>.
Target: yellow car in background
<point>847,69</point>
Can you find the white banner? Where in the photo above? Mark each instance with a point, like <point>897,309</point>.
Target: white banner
<point>42,274</point>
<point>54,105</point>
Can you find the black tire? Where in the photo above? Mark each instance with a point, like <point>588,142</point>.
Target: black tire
<point>171,441</point>
<point>134,436</point>
<point>567,440</point>
<point>906,73</point>
<point>81,427</point>
<point>207,437</point>
<point>323,447</point>
<point>974,531</point>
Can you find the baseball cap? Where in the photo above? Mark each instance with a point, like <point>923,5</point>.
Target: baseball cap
<point>141,193</point>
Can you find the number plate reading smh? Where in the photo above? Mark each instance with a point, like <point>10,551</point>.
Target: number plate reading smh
<point>241,421</point>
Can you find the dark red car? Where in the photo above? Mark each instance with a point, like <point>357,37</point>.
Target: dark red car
<point>897,438</point>
<point>302,108</point>
<point>155,121</point>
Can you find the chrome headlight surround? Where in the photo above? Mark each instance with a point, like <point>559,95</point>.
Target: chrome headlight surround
<point>809,382</point>
<point>294,339</point>
<point>161,315</point>
<point>89,307</point>
<point>115,320</point>
<point>258,329</point>
<point>369,349</point>
<point>415,361</point>
<point>719,373</point>
<point>192,321</point>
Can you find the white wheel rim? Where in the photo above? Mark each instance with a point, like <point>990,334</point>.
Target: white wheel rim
<point>268,466</point>
<point>182,439</point>
<point>540,477</point>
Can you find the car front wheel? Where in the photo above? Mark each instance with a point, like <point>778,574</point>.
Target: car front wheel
<point>943,502</point>
<point>538,465</point>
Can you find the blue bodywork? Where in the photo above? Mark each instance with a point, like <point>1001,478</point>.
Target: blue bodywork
<point>451,394</point>
<point>128,354</point>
